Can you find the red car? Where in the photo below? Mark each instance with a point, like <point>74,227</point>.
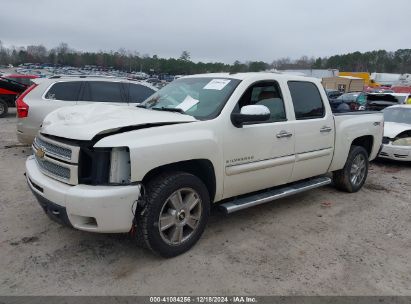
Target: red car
<point>11,86</point>
<point>402,89</point>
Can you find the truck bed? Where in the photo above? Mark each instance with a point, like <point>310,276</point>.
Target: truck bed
<point>351,125</point>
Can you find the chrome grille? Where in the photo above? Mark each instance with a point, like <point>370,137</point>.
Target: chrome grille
<point>53,149</point>
<point>56,159</point>
<point>54,169</point>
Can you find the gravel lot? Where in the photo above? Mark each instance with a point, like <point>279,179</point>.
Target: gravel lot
<point>321,242</point>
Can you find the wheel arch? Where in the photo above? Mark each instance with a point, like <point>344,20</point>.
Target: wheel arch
<point>202,168</point>
<point>366,141</point>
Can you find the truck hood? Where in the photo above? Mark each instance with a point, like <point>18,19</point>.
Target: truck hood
<point>84,122</point>
<point>392,129</point>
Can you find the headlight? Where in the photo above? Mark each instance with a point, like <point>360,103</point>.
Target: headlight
<point>120,166</point>
<point>406,141</point>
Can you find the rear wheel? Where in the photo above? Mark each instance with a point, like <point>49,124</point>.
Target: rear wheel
<point>3,108</point>
<point>352,177</point>
<point>176,212</point>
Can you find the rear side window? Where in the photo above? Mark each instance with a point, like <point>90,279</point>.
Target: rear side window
<point>307,100</point>
<point>103,91</point>
<point>67,91</point>
<point>138,93</point>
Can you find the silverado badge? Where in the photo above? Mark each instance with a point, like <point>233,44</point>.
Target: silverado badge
<point>40,153</point>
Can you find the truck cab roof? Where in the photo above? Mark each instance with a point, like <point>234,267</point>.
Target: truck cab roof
<point>252,75</point>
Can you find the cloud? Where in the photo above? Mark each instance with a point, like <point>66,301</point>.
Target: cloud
<point>212,30</point>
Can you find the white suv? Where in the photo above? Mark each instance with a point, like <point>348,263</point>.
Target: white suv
<point>47,95</point>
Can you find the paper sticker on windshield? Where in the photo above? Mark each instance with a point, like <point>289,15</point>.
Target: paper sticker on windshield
<point>187,103</point>
<point>216,84</point>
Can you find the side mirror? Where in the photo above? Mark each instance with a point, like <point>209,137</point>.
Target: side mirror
<point>250,114</point>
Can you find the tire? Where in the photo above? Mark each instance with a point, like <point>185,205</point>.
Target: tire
<point>168,196</point>
<point>352,177</point>
<point>3,108</point>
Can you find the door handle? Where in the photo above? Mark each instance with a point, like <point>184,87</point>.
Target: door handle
<point>325,129</point>
<point>284,134</point>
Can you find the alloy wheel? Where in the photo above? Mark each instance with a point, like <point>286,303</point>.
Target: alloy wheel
<point>180,216</point>
<point>358,168</point>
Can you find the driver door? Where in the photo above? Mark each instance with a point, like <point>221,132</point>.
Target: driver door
<point>259,155</point>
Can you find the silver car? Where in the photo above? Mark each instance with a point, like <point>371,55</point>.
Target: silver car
<point>47,95</point>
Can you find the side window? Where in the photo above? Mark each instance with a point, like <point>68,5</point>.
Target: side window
<point>103,91</point>
<point>138,93</point>
<point>267,94</point>
<point>307,100</point>
<point>67,91</point>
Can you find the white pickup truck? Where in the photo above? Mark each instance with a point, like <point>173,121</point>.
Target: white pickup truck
<point>235,140</point>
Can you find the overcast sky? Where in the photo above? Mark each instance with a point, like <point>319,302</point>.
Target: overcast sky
<point>211,30</point>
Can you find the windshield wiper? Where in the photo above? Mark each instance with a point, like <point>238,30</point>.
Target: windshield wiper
<point>141,106</point>
<point>178,110</point>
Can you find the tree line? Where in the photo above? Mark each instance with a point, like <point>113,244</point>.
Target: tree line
<point>375,61</point>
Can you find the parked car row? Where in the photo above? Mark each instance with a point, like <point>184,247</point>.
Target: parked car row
<point>49,70</point>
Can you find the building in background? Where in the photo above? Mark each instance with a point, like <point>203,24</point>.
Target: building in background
<point>385,79</point>
<point>344,83</point>
<point>403,85</point>
<point>320,74</point>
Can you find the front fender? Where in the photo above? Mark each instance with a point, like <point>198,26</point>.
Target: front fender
<point>159,146</point>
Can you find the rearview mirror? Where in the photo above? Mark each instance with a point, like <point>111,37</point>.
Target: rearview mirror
<point>250,114</point>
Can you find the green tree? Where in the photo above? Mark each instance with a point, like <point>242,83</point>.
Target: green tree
<point>185,56</point>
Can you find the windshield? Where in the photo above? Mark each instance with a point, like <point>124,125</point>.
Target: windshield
<point>386,97</point>
<point>399,115</point>
<point>348,97</point>
<point>401,99</point>
<point>202,98</point>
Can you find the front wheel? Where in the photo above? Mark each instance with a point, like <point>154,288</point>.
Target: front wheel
<point>177,206</point>
<point>352,177</point>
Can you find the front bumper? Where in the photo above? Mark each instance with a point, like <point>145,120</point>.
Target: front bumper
<point>55,212</point>
<point>401,153</point>
<point>106,209</point>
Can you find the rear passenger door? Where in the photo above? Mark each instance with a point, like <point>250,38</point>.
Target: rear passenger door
<point>314,130</point>
<point>110,92</point>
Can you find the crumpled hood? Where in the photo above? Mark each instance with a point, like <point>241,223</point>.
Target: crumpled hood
<point>392,129</point>
<point>83,122</point>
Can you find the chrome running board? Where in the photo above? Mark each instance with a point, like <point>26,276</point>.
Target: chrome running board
<point>271,195</point>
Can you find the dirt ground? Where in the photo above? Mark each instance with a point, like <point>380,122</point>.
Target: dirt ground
<point>321,242</point>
